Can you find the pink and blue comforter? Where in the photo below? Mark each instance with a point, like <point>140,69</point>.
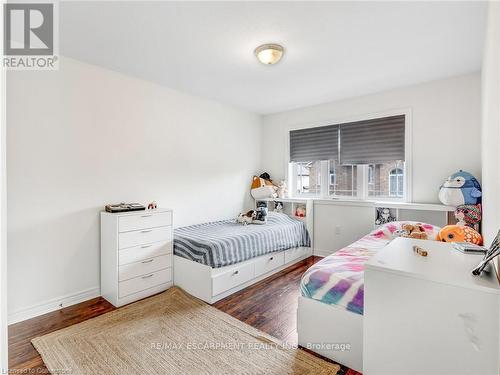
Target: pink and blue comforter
<point>338,278</point>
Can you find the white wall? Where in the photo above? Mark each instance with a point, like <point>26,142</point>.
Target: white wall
<point>3,221</point>
<point>83,136</point>
<point>446,128</point>
<point>491,125</point>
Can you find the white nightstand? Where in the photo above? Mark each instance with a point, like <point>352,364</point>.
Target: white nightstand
<point>136,254</point>
<point>429,315</point>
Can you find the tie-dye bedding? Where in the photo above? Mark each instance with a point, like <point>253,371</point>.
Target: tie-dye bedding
<point>338,278</point>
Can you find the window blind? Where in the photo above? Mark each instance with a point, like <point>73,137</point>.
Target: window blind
<point>320,143</point>
<point>373,141</point>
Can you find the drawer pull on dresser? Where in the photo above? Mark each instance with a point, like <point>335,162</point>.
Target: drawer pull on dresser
<point>147,276</point>
<point>147,261</point>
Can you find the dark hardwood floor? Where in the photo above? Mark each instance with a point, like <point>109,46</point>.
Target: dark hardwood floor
<point>270,305</point>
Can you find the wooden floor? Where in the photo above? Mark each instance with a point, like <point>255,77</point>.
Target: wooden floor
<point>270,305</point>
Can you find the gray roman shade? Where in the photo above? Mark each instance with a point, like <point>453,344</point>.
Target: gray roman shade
<point>321,143</point>
<point>373,141</point>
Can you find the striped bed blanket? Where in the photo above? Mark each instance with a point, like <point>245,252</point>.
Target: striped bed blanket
<point>338,279</point>
<point>226,242</point>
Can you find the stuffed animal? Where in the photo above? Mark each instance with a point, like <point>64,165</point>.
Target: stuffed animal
<point>278,206</point>
<point>261,216</point>
<point>281,189</point>
<point>262,188</point>
<point>384,216</point>
<point>460,188</point>
<point>246,218</point>
<point>468,215</point>
<point>300,211</point>
<point>412,231</point>
<point>457,233</point>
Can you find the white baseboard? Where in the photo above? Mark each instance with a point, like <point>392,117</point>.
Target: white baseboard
<point>321,253</point>
<point>52,305</point>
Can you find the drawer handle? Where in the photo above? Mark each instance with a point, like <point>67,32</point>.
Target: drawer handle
<point>145,246</point>
<point>147,277</point>
<point>272,258</point>
<point>236,272</point>
<point>146,215</point>
<point>147,261</point>
<point>146,231</point>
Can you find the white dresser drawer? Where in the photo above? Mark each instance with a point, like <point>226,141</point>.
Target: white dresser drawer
<point>269,263</point>
<point>141,283</point>
<point>232,278</point>
<point>296,253</point>
<point>144,267</point>
<point>144,221</point>
<point>144,236</point>
<point>141,252</point>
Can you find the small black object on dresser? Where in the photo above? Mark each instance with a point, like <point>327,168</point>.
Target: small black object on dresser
<point>124,207</point>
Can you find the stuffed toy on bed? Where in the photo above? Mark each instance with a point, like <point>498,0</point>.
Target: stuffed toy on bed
<point>247,217</point>
<point>258,216</point>
<point>408,230</point>
<point>457,233</point>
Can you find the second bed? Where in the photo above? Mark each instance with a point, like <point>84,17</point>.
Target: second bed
<point>214,260</point>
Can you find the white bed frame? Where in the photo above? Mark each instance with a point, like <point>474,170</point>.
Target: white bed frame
<point>328,329</point>
<point>212,284</point>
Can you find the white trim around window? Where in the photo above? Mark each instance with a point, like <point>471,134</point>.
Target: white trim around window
<point>362,170</point>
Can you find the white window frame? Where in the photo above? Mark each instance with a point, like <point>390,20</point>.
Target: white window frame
<point>362,170</point>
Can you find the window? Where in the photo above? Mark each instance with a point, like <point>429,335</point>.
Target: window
<point>396,182</point>
<point>388,180</point>
<point>308,178</point>
<point>333,178</point>
<point>345,179</point>
<point>370,174</point>
<point>363,159</point>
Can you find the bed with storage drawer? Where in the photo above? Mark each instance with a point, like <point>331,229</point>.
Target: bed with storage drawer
<point>331,304</point>
<point>214,260</point>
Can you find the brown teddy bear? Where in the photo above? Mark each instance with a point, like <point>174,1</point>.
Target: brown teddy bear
<point>414,231</point>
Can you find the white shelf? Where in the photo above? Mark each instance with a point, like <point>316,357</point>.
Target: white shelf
<point>288,200</point>
<point>415,206</point>
<point>368,203</point>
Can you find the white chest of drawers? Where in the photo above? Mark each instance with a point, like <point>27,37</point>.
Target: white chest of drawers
<point>136,255</point>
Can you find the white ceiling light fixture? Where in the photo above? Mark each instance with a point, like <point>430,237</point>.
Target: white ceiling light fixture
<point>269,54</point>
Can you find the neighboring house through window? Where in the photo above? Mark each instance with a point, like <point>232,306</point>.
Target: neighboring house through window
<point>396,182</point>
<point>363,159</point>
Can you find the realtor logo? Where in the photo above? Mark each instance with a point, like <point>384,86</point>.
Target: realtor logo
<point>29,36</point>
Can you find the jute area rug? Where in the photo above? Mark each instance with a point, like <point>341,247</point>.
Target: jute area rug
<point>171,333</point>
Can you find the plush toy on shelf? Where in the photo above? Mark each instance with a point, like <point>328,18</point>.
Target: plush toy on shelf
<point>460,188</point>
<point>278,207</point>
<point>262,187</point>
<point>457,233</point>
<point>384,216</point>
<point>468,215</point>
<point>300,211</point>
<point>281,189</point>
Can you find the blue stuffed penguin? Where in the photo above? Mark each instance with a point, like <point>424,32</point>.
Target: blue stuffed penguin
<point>460,188</point>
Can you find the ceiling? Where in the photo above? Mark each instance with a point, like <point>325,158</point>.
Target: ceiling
<point>334,50</point>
